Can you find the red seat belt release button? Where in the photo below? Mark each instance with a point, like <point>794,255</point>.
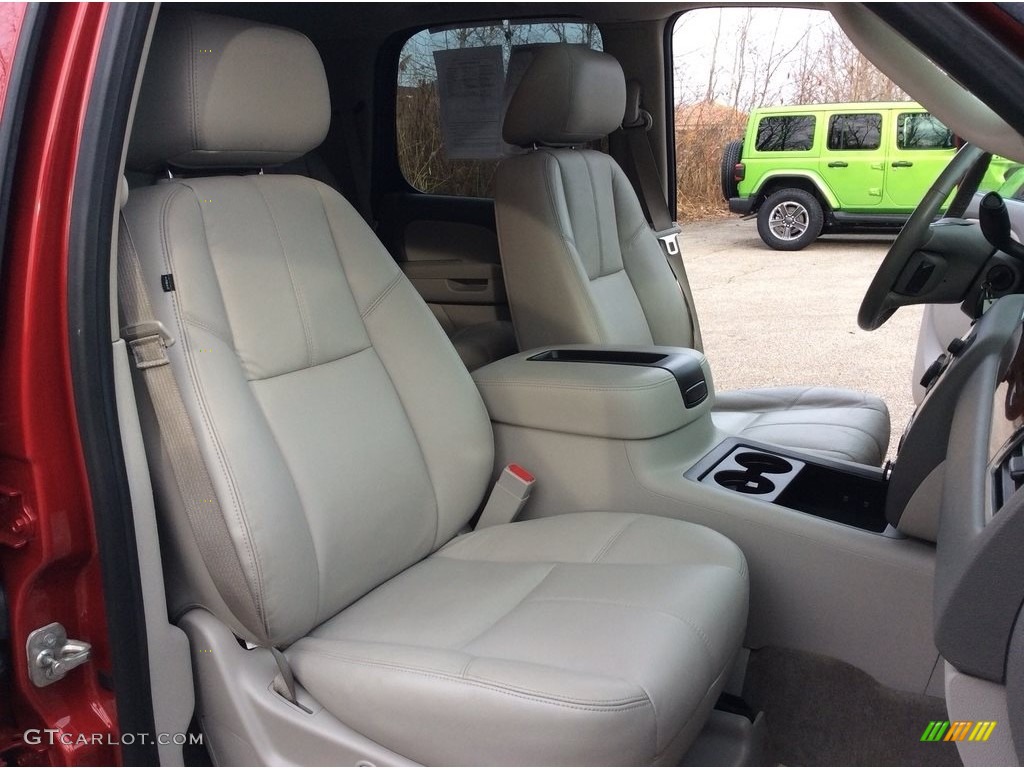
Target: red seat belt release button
<point>508,497</point>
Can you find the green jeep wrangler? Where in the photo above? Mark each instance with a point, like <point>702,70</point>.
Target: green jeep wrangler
<point>831,168</point>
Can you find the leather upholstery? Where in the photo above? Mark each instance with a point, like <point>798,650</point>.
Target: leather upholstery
<point>855,424</point>
<point>284,337</point>
<point>569,95</point>
<point>584,639</point>
<point>582,266</point>
<point>622,402</point>
<point>347,443</point>
<point>198,107</point>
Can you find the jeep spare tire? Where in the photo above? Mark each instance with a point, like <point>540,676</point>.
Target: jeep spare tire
<point>790,219</point>
<point>730,156</point>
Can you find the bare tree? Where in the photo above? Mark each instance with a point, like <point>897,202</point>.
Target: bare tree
<point>709,92</point>
<point>739,57</point>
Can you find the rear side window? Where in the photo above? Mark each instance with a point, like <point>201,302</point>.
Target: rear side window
<point>453,86</point>
<point>919,130</point>
<point>855,131</point>
<point>785,133</point>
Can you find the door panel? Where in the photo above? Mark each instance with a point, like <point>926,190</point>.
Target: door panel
<point>448,248</point>
<point>432,240</point>
<point>920,148</point>
<point>852,160</point>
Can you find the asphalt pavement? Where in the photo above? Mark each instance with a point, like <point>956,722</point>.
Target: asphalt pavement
<point>776,318</point>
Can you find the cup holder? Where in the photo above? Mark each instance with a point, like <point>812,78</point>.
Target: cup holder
<point>763,463</point>
<point>754,473</point>
<point>744,482</point>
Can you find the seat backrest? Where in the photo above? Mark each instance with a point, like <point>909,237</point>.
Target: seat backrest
<point>344,437</point>
<point>581,263</point>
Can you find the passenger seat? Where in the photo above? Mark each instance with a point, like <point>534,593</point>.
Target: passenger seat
<point>477,344</point>
<point>346,448</point>
<point>582,266</point>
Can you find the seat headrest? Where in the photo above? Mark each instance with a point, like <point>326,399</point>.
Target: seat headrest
<point>225,92</point>
<point>569,95</point>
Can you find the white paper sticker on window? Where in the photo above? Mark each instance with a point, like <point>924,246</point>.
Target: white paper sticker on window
<point>471,84</point>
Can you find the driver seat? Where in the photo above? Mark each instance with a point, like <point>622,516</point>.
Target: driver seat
<point>582,265</point>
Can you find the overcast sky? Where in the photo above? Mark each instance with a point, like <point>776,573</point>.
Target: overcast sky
<point>693,45</point>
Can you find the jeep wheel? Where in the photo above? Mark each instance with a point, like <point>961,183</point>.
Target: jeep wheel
<point>730,156</point>
<point>790,219</point>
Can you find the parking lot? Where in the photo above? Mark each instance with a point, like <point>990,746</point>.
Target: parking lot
<point>780,318</point>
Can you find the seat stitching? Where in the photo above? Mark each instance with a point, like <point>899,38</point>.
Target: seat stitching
<point>510,611</point>
<point>628,243</point>
<point>593,705</point>
<point>567,239</point>
<point>597,217</point>
<point>870,436</point>
<point>207,421</point>
<point>387,372</point>
<point>695,628</point>
<point>193,320</point>
<point>321,364</point>
<point>380,297</point>
<point>300,298</point>
<point>793,404</point>
<point>614,537</point>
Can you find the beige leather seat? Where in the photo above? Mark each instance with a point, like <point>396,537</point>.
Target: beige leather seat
<point>478,344</point>
<point>348,447</point>
<point>582,266</point>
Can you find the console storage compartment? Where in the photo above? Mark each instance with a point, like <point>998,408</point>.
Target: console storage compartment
<point>847,494</point>
<point>626,393</point>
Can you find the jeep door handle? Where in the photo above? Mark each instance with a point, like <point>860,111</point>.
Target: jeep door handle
<point>902,164</point>
<point>838,164</point>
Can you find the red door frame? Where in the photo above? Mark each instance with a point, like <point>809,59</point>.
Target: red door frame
<point>48,553</point>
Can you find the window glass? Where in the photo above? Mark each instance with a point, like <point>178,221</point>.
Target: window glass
<point>919,130</point>
<point>855,131</point>
<point>453,86</point>
<point>785,133</point>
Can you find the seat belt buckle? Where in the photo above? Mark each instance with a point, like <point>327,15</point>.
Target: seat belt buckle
<point>670,242</point>
<point>148,341</point>
<point>508,497</point>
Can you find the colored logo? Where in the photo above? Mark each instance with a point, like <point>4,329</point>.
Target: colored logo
<point>958,730</point>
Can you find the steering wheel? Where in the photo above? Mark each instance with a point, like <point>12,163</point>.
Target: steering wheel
<point>882,299</point>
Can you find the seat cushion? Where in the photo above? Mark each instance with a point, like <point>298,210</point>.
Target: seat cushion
<point>589,638</point>
<point>484,343</point>
<point>837,423</point>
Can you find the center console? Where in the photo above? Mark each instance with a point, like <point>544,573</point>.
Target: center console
<point>849,494</point>
<point>632,429</point>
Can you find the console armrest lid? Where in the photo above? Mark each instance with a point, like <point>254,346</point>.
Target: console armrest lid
<point>628,392</point>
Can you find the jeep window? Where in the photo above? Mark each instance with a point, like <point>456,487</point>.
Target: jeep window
<point>919,130</point>
<point>863,131</point>
<point>794,133</point>
<point>453,86</point>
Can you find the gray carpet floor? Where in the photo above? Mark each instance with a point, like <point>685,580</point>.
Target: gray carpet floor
<point>820,711</point>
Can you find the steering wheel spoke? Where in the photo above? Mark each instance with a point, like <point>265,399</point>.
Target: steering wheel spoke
<point>882,298</point>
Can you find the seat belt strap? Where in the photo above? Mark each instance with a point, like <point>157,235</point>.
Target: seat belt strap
<point>148,341</point>
<point>284,682</point>
<point>642,170</point>
<point>508,497</point>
